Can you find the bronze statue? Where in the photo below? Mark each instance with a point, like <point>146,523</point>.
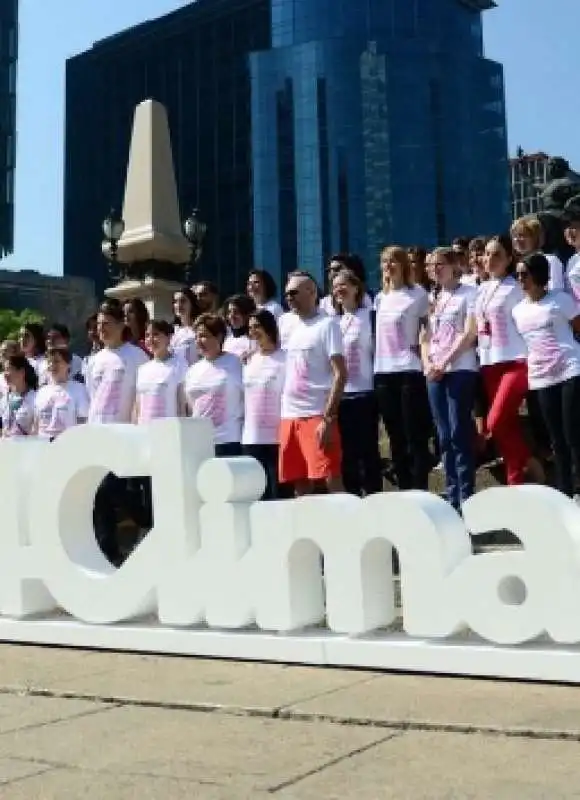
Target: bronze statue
<point>562,188</point>
<point>563,184</point>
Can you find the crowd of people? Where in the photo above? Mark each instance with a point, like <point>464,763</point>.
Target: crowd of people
<point>447,353</point>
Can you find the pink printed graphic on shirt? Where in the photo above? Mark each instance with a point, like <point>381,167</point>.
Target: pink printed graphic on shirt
<point>545,356</point>
<point>391,335</point>
<point>152,402</point>
<point>446,328</point>
<point>263,408</point>
<point>57,414</point>
<point>211,404</point>
<point>352,354</point>
<point>499,318</point>
<point>298,375</point>
<point>108,390</point>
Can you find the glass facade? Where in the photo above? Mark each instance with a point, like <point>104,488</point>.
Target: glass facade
<point>8,59</point>
<point>390,127</point>
<point>299,128</point>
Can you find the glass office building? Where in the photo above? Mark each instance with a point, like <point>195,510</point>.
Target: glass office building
<point>8,58</point>
<point>300,128</point>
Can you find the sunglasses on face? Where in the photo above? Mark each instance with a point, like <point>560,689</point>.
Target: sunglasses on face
<point>291,292</point>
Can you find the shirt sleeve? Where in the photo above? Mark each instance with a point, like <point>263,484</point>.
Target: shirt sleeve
<point>568,306</point>
<point>81,401</point>
<point>423,304</point>
<point>556,281</point>
<point>333,338</point>
<point>573,279</point>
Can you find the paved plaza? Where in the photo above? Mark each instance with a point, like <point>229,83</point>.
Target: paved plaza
<point>77,724</point>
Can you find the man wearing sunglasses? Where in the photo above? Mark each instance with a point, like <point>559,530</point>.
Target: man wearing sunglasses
<point>310,451</point>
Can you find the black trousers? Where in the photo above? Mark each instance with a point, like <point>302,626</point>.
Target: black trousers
<point>559,406</point>
<point>358,421</point>
<point>228,450</point>
<point>267,455</point>
<point>119,499</point>
<point>404,408</point>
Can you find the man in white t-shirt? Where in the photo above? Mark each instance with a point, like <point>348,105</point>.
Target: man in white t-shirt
<point>310,451</point>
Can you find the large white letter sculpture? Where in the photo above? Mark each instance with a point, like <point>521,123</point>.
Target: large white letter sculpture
<point>310,580</point>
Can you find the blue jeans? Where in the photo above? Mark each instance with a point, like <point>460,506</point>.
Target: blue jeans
<point>451,401</point>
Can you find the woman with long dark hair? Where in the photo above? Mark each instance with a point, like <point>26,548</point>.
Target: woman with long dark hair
<point>136,319</point>
<point>547,321</point>
<point>263,377</point>
<point>17,408</point>
<point>261,287</point>
<point>502,355</point>
<point>186,310</point>
<point>358,416</point>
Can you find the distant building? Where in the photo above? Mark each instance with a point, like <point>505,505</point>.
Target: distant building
<point>528,171</point>
<point>69,300</point>
<point>299,128</point>
<point>8,58</point>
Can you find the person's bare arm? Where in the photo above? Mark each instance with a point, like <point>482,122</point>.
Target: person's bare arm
<point>339,377</point>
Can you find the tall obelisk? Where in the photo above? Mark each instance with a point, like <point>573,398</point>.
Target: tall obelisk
<point>153,243</point>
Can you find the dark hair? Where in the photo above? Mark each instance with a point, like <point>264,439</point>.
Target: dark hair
<point>505,241</point>
<point>267,321</point>
<point>61,329</point>
<point>161,326</point>
<point>91,321</point>
<point>138,307</point>
<point>209,287</point>
<point>63,352</point>
<point>538,268</point>
<point>114,309</point>
<point>353,263</point>
<point>477,244</point>
<point>419,252</point>
<point>36,330</point>
<point>20,362</point>
<point>214,323</point>
<point>242,303</point>
<point>191,299</point>
<point>268,282</point>
<point>461,241</point>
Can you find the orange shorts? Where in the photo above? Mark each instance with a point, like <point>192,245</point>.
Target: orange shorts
<point>301,457</point>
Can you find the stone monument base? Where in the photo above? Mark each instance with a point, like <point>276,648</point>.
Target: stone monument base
<point>156,293</point>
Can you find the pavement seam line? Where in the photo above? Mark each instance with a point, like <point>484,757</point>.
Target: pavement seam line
<point>289,714</point>
<point>21,778</point>
<point>331,763</point>
<point>90,712</point>
<point>328,692</point>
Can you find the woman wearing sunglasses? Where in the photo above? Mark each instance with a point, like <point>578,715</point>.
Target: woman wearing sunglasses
<point>547,321</point>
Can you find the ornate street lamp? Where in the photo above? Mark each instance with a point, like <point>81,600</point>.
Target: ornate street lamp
<point>195,231</point>
<point>113,228</point>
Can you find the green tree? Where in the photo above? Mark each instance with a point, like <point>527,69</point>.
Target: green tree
<point>11,321</point>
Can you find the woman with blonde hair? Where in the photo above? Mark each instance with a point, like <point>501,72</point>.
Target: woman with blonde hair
<point>401,313</point>
<point>529,236</point>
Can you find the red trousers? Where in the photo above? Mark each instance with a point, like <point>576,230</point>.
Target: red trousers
<point>506,386</point>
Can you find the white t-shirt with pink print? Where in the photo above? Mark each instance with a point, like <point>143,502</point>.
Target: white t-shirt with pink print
<point>214,391</point>
<point>553,353</point>
<point>310,346</point>
<point>112,382</point>
<point>17,412</point>
<point>263,384</point>
<point>158,385</point>
<point>398,322</point>
<point>60,406</point>
<point>358,347</point>
<point>573,277</point>
<point>498,338</point>
<point>240,346</point>
<point>447,324</point>
<point>183,345</point>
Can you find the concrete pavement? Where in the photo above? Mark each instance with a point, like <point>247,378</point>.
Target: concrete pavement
<point>106,725</point>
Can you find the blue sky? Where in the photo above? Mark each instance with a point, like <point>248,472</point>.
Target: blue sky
<point>538,49</point>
